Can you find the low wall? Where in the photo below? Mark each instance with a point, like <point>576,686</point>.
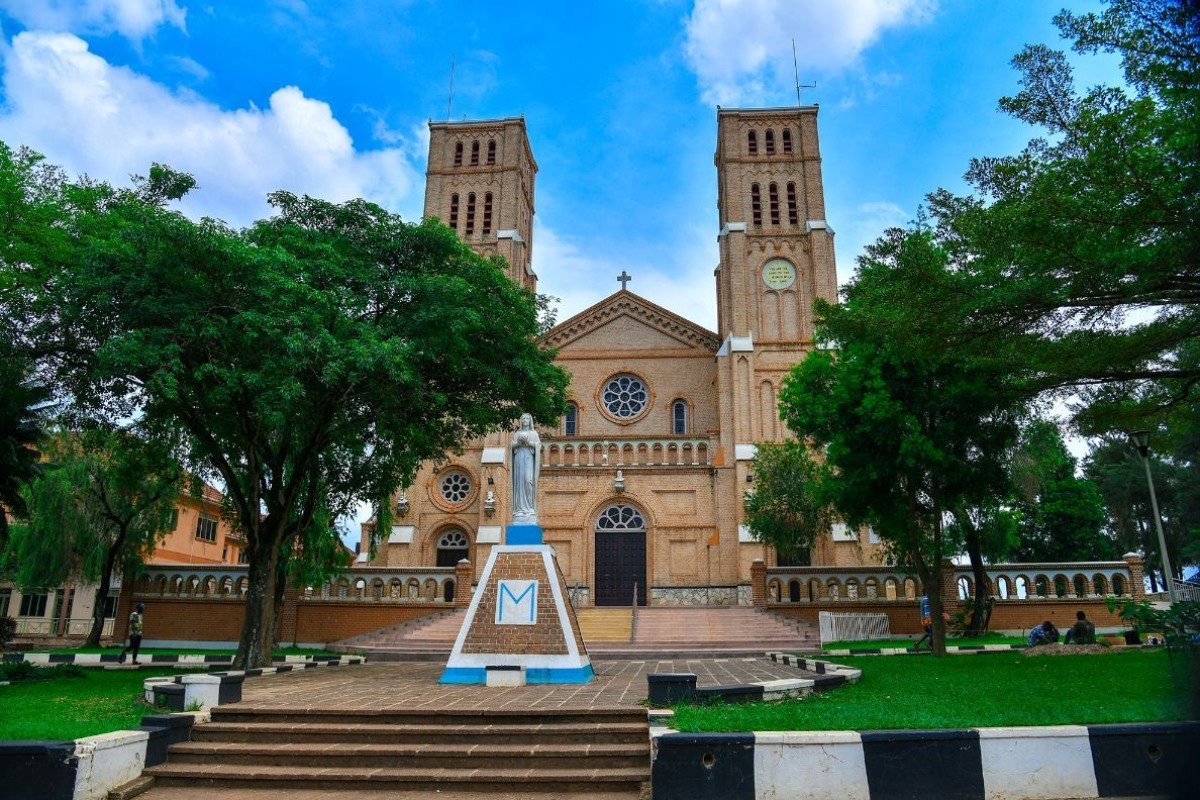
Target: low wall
<point>1095,761</point>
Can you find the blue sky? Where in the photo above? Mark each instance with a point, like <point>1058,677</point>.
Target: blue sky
<point>332,99</point>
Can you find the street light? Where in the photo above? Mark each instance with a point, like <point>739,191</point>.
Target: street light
<point>1141,442</point>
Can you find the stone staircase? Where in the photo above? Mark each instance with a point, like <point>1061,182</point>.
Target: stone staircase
<point>551,753</point>
<point>613,633</point>
<point>613,624</point>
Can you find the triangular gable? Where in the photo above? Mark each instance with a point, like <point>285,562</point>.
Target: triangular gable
<point>625,306</point>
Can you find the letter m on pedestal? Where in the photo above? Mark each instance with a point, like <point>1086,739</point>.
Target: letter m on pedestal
<point>516,603</point>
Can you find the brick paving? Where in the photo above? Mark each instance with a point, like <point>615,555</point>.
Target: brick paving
<point>413,685</point>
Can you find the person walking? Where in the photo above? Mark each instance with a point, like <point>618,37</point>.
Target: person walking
<point>135,635</point>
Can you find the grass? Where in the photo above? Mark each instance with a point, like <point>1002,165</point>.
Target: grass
<point>986,690</point>
<point>75,702</point>
<point>872,644</point>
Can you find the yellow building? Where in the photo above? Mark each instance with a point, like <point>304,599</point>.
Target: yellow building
<point>642,483</point>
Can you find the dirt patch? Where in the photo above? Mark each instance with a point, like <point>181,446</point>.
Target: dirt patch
<point>1067,650</point>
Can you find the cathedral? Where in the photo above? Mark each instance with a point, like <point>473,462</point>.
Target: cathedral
<point>643,481</point>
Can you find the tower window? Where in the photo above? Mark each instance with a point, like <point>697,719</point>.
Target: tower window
<point>491,151</point>
<point>458,150</point>
<point>454,211</point>
<point>752,142</point>
<point>571,420</point>
<point>475,153</point>
<point>756,204</point>
<point>487,213</point>
<point>793,212</point>
<point>773,191</point>
<point>787,141</point>
<point>470,213</point>
<point>770,140</point>
<point>679,417</point>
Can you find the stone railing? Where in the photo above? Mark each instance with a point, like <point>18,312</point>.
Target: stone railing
<point>355,585</point>
<point>1069,580</point>
<point>664,451</point>
<point>44,626</point>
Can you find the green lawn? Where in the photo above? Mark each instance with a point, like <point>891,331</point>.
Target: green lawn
<point>95,701</point>
<point>986,690</point>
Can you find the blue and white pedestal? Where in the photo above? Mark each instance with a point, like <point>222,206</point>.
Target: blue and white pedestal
<point>520,626</point>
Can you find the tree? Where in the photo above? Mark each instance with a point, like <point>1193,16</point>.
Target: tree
<point>22,407</point>
<point>914,436</point>
<point>313,360</point>
<point>786,509</point>
<point>103,503</point>
<point>1061,515</point>
<point>1084,245</point>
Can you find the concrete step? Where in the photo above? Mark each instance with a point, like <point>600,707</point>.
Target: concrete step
<point>209,793</point>
<point>360,733</point>
<point>605,624</point>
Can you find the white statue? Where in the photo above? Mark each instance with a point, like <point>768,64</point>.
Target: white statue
<point>526,464</point>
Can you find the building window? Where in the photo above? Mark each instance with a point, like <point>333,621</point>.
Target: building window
<point>452,547</point>
<point>625,396</point>
<point>458,151</point>
<point>243,557</point>
<point>621,518</point>
<point>787,141</point>
<point>470,213</point>
<point>34,604</point>
<point>206,529</point>
<point>770,141</point>
<point>454,211</point>
<point>487,213</point>
<point>773,191</point>
<point>793,212</point>
<point>475,153</point>
<point>455,487</point>
<point>679,417</point>
<point>5,599</point>
<point>755,204</point>
<point>492,151</point>
<point>752,142</point>
<point>571,420</point>
<point>110,606</point>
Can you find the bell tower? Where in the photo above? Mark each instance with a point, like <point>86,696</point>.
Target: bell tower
<point>480,182</point>
<point>776,257</point>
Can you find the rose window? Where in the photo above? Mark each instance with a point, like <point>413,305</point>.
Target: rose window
<point>455,488</point>
<point>625,396</point>
<point>621,518</point>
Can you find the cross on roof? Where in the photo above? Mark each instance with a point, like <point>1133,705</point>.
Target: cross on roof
<point>624,279</point>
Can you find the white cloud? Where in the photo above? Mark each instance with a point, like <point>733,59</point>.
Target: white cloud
<point>741,50</point>
<point>867,223</point>
<point>133,19</point>
<point>89,116</point>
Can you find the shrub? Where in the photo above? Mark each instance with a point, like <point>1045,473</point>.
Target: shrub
<point>8,631</point>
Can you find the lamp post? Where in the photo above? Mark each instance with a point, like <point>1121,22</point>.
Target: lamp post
<point>1141,442</point>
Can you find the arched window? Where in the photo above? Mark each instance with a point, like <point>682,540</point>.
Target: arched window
<point>458,151</point>
<point>770,141</point>
<point>454,211</point>
<point>571,420</point>
<point>752,143</point>
<point>773,193</point>
<point>756,204</point>
<point>475,153</point>
<point>621,517</point>
<point>452,547</point>
<point>470,213</point>
<point>491,151</point>
<point>787,141</point>
<point>793,211</point>
<point>679,419</point>
<point>487,213</point>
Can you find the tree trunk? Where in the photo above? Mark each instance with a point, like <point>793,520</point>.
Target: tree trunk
<point>254,646</point>
<point>110,561</point>
<point>981,604</point>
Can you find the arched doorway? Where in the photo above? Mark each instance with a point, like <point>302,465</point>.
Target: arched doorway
<point>452,547</point>
<point>620,556</point>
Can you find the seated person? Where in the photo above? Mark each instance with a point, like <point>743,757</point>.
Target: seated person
<point>1082,632</point>
<point>1045,633</point>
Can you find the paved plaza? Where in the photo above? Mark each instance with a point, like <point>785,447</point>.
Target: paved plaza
<point>413,685</point>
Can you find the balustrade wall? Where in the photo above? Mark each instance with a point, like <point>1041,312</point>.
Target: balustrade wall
<point>667,451</point>
<point>1023,594</point>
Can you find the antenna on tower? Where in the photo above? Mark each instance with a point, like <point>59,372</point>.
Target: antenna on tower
<point>796,68</point>
<point>450,99</point>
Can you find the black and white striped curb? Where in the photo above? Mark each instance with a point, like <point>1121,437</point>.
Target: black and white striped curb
<point>1044,763</point>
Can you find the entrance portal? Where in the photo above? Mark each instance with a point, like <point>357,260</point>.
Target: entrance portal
<point>620,556</point>
<point>452,548</point>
